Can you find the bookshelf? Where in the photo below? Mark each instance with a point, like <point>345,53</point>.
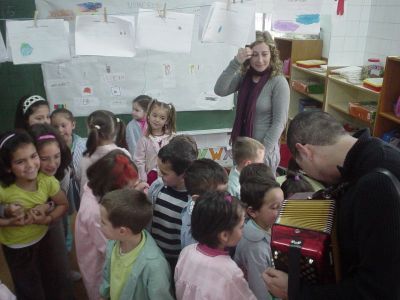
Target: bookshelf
<point>386,120</point>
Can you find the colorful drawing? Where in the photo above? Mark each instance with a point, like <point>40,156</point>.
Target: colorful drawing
<point>89,6</point>
<point>26,49</point>
<point>307,19</point>
<point>285,26</point>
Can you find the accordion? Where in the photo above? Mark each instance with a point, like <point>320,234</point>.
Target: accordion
<point>301,240</point>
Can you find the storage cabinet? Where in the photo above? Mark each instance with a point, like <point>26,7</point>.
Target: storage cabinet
<point>339,93</point>
<point>298,49</point>
<point>300,74</point>
<point>386,120</point>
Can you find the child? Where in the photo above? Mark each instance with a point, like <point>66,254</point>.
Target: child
<point>138,126</point>
<point>113,171</point>
<point>55,160</point>
<point>202,175</point>
<point>263,197</point>
<point>245,151</point>
<point>36,264</point>
<point>296,182</point>
<point>106,133</point>
<point>64,121</point>
<point>135,267</point>
<point>169,196</point>
<point>161,128</point>
<point>205,270</point>
<point>31,110</point>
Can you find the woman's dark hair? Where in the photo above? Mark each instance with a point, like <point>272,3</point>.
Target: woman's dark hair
<point>26,106</point>
<point>112,171</point>
<point>44,134</point>
<point>213,213</point>
<point>295,181</point>
<point>143,101</point>
<point>104,125</point>
<point>9,143</point>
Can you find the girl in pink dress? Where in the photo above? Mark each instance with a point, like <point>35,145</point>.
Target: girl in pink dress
<point>205,270</point>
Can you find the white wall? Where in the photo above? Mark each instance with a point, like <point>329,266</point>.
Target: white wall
<point>383,35</point>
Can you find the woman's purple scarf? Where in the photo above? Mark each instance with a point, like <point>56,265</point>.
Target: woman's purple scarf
<point>246,104</point>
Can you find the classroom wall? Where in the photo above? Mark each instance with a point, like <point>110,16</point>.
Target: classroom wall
<point>383,36</point>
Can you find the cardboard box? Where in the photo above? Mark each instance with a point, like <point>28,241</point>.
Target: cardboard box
<point>364,111</point>
<point>308,87</point>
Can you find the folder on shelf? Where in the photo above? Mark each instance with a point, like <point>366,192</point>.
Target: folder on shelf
<point>374,84</point>
<point>311,63</point>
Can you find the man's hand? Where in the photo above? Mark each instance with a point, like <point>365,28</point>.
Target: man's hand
<point>277,282</point>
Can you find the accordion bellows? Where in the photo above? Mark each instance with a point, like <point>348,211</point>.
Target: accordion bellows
<point>306,226</point>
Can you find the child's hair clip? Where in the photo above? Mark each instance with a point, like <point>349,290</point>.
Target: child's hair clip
<point>228,198</point>
<point>97,127</point>
<point>46,137</point>
<point>118,120</point>
<point>6,139</point>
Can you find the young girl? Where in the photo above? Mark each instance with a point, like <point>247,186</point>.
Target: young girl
<point>296,182</point>
<point>36,264</point>
<point>161,128</point>
<point>64,121</point>
<point>106,133</point>
<point>31,110</point>
<point>113,171</point>
<point>217,223</point>
<point>55,160</point>
<point>138,126</point>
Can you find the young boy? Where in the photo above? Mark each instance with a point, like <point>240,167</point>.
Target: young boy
<point>245,151</point>
<point>203,175</point>
<point>135,267</point>
<point>263,198</point>
<point>169,196</point>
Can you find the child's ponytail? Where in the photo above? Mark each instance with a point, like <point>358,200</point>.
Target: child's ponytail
<point>93,139</point>
<point>120,139</point>
<point>170,126</point>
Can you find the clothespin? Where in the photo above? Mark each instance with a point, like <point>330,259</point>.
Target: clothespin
<point>105,15</point>
<point>228,4</point>
<point>35,16</point>
<point>162,12</point>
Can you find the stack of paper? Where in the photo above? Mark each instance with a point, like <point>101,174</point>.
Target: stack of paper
<point>352,74</point>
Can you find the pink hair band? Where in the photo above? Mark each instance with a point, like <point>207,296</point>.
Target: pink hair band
<point>46,137</point>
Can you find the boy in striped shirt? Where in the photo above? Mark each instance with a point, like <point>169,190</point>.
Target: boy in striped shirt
<point>169,195</point>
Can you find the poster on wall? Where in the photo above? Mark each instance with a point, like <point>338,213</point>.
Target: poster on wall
<point>296,16</point>
<point>187,80</point>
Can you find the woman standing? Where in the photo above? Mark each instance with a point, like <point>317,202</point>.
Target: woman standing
<point>263,94</point>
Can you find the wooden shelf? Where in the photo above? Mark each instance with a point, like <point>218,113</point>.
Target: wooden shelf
<point>386,119</point>
<point>309,71</point>
<point>342,107</point>
<point>360,87</point>
<point>390,116</point>
<point>317,97</point>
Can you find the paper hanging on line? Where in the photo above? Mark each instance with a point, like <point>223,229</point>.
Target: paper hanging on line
<point>172,33</point>
<point>94,36</point>
<point>3,50</point>
<point>45,42</point>
<point>231,26</point>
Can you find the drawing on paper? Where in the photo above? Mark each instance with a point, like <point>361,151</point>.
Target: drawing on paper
<point>287,26</point>
<point>307,19</point>
<point>26,49</point>
<point>89,6</point>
